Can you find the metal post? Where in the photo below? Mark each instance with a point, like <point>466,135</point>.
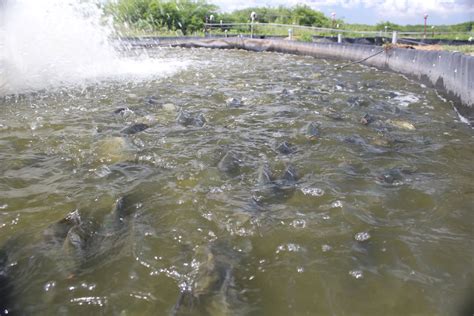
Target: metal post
<point>425,17</point>
<point>290,34</point>
<point>211,20</point>
<point>339,38</point>
<point>394,37</point>
<point>253,16</point>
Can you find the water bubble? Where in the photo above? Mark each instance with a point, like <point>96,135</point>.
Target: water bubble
<point>299,223</point>
<point>293,247</point>
<point>242,232</point>
<point>290,247</point>
<point>138,142</point>
<point>89,287</point>
<point>214,190</point>
<point>326,248</point>
<point>184,287</point>
<point>357,274</point>
<point>127,112</point>
<point>103,171</point>
<point>312,191</point>
<point>16,220</point>
<point>143,296</point>
<point>362,236</point>
<point>336,204</point>
<point>277,135</point>
<point>90,300</point>
<point>49,286</point>
<point>33,126</point>
<point>207,215</point>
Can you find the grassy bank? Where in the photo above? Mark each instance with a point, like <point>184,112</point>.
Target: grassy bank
<point>188,17</point>
<point>466,49</point>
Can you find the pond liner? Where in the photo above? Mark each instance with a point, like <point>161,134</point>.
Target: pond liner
<point>451,73</point>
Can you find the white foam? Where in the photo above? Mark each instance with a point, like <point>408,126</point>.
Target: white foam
<point>54,43</point>
<point>463,119</point>
<point>406,100</point>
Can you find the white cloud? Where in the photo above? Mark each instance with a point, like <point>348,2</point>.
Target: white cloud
<point>410,8</point>
<point>382,8</point>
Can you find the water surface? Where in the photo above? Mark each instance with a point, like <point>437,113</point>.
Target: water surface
<point>378,221</point>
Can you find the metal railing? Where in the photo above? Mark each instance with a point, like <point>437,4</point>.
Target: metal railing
<point>293,30</point>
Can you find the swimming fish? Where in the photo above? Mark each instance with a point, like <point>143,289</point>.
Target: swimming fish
<point>230,164</point>
<point>135,128</point>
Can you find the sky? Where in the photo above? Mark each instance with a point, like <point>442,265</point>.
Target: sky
<point>374,11</point>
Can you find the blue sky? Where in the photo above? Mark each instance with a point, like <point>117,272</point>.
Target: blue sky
<point>373,11</point>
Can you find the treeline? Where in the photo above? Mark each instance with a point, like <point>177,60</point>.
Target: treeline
<point>462,27</point>
<point>189,16</point>
<point>157,15</point>
<point>299,14</point>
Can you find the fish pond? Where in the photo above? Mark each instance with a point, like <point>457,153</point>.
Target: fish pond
<point>237,184</point>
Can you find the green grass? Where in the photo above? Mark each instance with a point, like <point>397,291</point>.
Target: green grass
<point>466,49</point>
<point>299,34</point>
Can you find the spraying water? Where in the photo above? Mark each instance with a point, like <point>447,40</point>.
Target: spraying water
<point>54,43</point>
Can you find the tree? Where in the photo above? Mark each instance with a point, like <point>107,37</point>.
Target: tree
<point>390,26</point>
<point>185,15</point>
<point>304,15</point>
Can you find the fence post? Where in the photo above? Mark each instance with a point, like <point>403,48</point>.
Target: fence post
<point>253,16</point>
<point>339,38</point>
<point>211,20</point>
<point>394,37</point>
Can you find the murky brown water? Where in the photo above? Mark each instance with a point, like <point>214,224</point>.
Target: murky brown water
<point>377,221</point>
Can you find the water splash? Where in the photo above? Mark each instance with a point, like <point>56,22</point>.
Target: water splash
<point>54,43</point>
